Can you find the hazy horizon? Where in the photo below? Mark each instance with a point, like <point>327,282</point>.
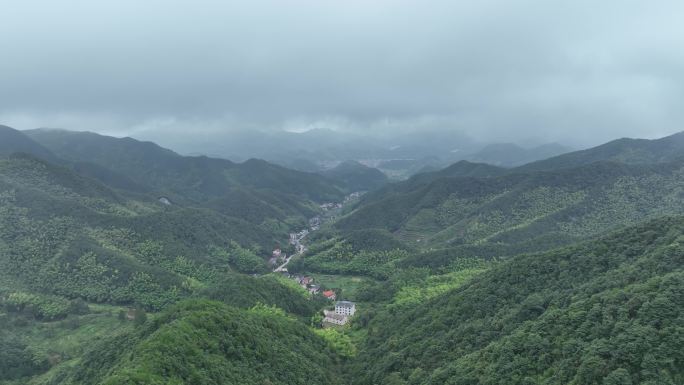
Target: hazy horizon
<point>206,69</point>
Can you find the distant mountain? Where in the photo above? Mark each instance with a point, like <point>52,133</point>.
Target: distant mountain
<point>461,168</point>
<point>630,151</point>
<point>325,146</point>
<point>299,164</point>
<point>356,176</point>
<point>198,178</point>
<point>14,141</point>
<point>400,169</point>
<point>511,155</point>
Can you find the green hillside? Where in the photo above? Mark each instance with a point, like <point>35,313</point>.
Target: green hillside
<point>555,207</point>
<point>355,176</point>
<point>626,150</point>
<point>511,155</point>
<point>206,342</point>
<point>196,178</point>
<point>604,312</point>
<point>457,273</point>
<point>13,141</point>
<point>64,234</point>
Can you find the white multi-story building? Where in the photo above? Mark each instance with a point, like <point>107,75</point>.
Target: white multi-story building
<point>345,308</point>
<point>334,318</point>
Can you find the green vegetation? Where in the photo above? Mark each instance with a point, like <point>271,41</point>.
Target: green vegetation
<point>354,176</point>
<point>205,342</point>
<point>457,273</point>
<point>522,211</point>
<point>338,341</point>
<point>605,312</point>
<point>43,350</point>
<point>627,151</point>
<point>338,257</point>
<point>13,141</point>
<point>347,285</point>
<point>243,291</point>
<point>181,178</point>
<point>39,306</point>
<point>433,286</point>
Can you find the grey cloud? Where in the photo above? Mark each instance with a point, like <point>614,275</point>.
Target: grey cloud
<point>581,71</point>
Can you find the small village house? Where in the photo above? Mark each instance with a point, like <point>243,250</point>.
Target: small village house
<point>329,294</point>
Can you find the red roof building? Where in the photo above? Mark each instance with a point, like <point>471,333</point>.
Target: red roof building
<point>329,294</point>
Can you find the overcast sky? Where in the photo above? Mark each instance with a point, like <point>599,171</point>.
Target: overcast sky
<point>576,71</point>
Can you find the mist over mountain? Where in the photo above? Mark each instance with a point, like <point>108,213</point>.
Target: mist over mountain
<point>398,155</point>
<point>382,192</point>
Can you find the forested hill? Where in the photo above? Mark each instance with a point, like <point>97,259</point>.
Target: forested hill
<point>75,252</point>
<point>555,207</point>
<point>604,312</point>
<point>204,342</point>
<point>198,178</point>
<point>511,155</point>
<point>626,150</point>
<point>356,176</point>
<point>63,234</point>
<point>122,262</point>
<point>13,141</point>
<point>462,168</point>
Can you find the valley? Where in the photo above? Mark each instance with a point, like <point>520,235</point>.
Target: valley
<point>563,271</point>
<point>408,192</point>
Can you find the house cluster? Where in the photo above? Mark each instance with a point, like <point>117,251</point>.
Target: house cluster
<point>338,205</point>
<point>353,196</point>
<point>308,284</point>
<point>315,223</point>
<point>295,238</point>
<point>344,310</point>
<point>277,255</point>
<point>331,206</point>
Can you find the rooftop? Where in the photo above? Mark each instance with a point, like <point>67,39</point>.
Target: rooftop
<point>344,303</point>
<point>339,317</point>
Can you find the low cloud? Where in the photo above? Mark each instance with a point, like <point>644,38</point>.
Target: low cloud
<point>581,72</point>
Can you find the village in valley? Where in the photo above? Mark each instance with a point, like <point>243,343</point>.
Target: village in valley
<point>343,310</point>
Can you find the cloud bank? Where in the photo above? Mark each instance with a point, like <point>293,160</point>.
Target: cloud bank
<point>575,71</point>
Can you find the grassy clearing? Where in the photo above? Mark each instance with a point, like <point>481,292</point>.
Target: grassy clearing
<point>349,284</point>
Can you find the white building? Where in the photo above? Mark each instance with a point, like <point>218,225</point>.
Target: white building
<point>334,318</point>
<point>345,308</point>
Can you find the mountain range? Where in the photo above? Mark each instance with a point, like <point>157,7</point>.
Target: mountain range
<point>543,204</point>
<point>122,262</point>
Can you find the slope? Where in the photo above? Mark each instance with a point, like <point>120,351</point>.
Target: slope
<point>354,176</point>
<point>196,178</point>
<point>511,155</point>
<point>204,342</point>
<point>604,312</point>
<point>546,208</point>
<point>625,150</point>
<point>64,234</point>
<point>13,141</point>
